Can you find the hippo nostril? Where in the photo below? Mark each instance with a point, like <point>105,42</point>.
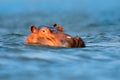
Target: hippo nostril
<point>62,41</point>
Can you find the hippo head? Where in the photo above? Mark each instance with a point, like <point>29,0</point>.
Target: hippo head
<point>52,36</point>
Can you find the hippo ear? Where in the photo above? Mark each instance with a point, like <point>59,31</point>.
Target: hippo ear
<point>60,28</point>
<point>54,25</point>
<point>33,29</point>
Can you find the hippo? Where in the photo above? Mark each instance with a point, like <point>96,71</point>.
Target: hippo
<point>53,36</point>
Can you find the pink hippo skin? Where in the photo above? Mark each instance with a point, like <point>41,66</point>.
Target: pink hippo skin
<point>53,36</point>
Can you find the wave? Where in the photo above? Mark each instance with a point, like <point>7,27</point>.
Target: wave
<point>105,44</point>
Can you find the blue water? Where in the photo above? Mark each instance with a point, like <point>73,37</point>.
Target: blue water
<point>96,21</point>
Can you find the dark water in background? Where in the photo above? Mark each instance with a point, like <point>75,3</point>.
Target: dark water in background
<point>96,21</point>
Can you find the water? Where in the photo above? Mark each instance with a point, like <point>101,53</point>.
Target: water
<point>96,21</point>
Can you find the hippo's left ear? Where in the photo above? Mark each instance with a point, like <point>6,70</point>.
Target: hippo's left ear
<point>33,29</point>
<point>54,25</point>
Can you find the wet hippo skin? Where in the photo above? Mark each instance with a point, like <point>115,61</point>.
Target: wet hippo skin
<point>53,36</point>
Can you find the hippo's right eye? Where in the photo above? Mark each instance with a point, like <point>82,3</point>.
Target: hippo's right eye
<point>43,30</point>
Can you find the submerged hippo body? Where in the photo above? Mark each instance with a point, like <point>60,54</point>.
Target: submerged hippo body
<point>53,36</point>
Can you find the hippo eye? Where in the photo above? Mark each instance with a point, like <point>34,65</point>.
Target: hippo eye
<point>43,31</point>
